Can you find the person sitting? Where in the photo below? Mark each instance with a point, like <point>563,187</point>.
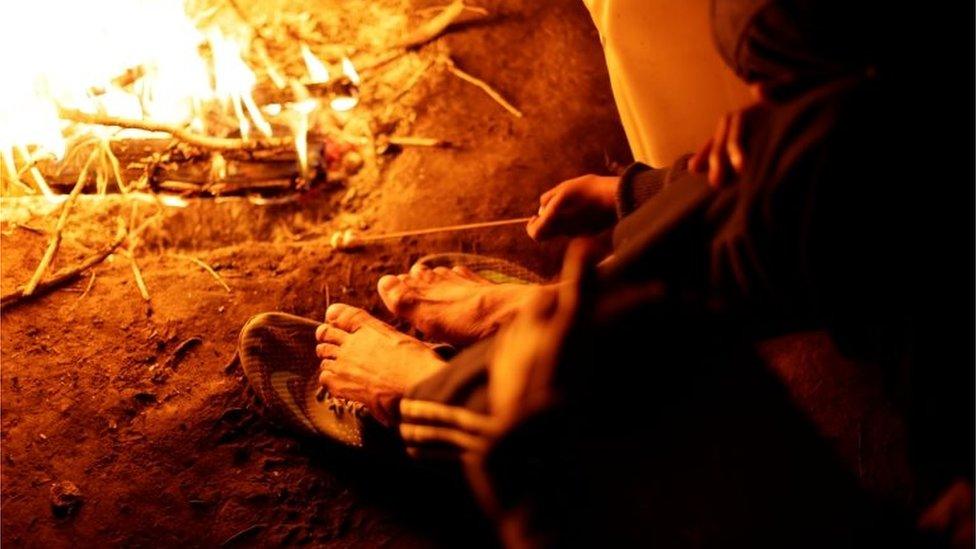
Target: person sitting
<point>809,232</point>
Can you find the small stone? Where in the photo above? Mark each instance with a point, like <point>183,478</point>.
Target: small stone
<point>66,498</point>
<point>345,240</point>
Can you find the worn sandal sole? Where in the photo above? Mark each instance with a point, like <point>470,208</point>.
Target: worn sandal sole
<point>495,270</point>
<point>277,354</point>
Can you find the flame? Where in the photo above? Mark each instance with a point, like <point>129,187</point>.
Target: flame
<point>172,201</point>
<point>345,103</point>
<point>235,83</point>
<point>349,70</point>
<point>133,59</point>
<point>317,71</point>
<point>302,111</point>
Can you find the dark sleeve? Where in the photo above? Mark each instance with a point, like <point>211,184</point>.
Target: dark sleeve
<point>805,237</point>
<point>463,383</point>
<point>445,417</point>
<point>640,182</point>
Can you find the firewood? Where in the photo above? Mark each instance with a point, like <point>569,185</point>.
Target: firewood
<point>191,172</point>
<point>199,140</point>
<point>436,25</point>
<point>66,275</point>
<point>485,87</point>
<point>55,241</point>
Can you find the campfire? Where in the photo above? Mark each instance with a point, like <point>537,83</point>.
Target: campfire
<point>165,101</point>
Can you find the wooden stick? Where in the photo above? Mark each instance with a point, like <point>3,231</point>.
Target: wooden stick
<point>137,274</point>
<point>472,9</point>
<point>412,141</point>
<point>434,26</point>
<point>414,79</point>
<point>131,254</point>
<point>91,283</point>
<point>205,267</point>
<point>35,173</point>
<point>202,141</point>
<point>450,228</point>
<point>68,274</point>
<point>55,242</point>
<point>485,87</point>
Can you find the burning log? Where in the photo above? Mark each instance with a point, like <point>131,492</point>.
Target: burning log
<point>159,165</point>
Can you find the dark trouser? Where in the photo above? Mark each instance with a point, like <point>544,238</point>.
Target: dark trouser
<point>666,431</point>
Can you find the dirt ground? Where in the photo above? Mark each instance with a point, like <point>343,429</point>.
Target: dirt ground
<point>133,402</point>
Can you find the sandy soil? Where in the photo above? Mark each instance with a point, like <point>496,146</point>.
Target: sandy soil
<point>133,401</point>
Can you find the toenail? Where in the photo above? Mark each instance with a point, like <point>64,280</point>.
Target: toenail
<point>333,311</point>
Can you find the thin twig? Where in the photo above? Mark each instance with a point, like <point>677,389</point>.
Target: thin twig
<point>131,254</point>
<point>31,228</point>
<point>137,274</point>
<point>485,87</point>
<point>364,66</point>
<point>200,263</point>
<point>91,283</point>
<point>203,141</point>
<point>411,141</point>
<point>55,241</point>
<point>414,79</point>
<point>67,274</point>
<point>434,27</point>
<point>113,162</point>
<point>35,173</point>
<point>472,9</point>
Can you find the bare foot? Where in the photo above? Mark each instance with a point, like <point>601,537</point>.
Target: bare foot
<point>367,360</point>
<point>452,305</point>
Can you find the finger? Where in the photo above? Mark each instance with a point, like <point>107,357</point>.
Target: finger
<point>541,227</point>
<point>698,163</point>
<point>547,196</point>
<point>532,227</point>
<point>733,144</point>
<point>327,350</point>
<point>418,268</point>
<point>716,157</point>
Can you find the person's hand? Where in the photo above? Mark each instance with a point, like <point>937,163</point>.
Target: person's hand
<point>585,205</point>
<point>722,157</point>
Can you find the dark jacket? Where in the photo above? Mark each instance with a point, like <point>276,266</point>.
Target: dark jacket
<point>832,226</point>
